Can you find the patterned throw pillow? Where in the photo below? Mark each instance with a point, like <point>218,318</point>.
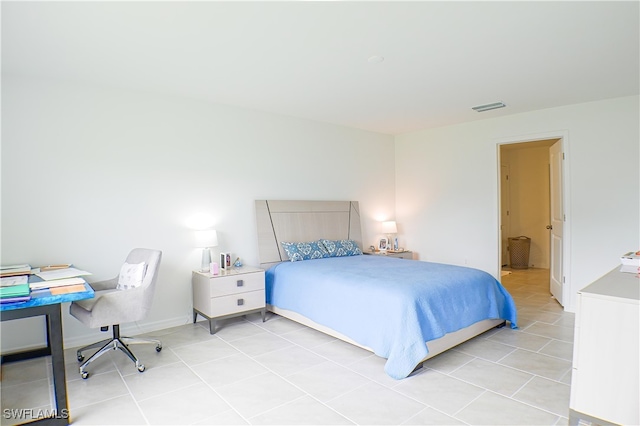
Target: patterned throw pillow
<point>305,251</point>
<point>337,248</point>
<point>131,276</point>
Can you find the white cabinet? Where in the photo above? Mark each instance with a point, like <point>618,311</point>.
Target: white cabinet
<point>231,293</point>
<point>605,379</point>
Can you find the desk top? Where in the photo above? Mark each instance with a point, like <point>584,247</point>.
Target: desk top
<point>44,297</point>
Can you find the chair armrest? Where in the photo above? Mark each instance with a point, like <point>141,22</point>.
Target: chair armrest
<point>105,285</point>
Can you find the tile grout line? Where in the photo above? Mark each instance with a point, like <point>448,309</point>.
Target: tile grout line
<point>348,367</point>
<point>269,370</point>
<point>298,387</point>
<point>231,407</point>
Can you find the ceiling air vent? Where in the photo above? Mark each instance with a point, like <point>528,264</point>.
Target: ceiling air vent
<point>487,107</point>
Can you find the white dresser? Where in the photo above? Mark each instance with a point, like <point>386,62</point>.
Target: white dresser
<point>233,292</point>
<point>605,381</point>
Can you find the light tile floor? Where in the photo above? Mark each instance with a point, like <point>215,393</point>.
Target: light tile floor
<point>280,372</point>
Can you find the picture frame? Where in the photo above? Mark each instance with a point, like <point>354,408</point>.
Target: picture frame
<point>383,244</point>
<point>225,261</point>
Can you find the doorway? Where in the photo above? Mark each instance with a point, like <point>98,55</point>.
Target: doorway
<point>531,197</point>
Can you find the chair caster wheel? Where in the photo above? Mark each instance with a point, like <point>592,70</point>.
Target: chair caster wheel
<point>80,358</point>
<point>85,375</point>
<point>141,368</point>
<point>158,348</point>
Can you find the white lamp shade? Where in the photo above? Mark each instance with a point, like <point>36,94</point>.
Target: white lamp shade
<point>206,238</point>
<point>389,227</point>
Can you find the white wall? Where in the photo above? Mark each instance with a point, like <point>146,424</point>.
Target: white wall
<point>447,186</point>
<point>89,173</point>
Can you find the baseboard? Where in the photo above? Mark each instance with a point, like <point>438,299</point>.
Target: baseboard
<point>32,335</point>
<point>132,329</point>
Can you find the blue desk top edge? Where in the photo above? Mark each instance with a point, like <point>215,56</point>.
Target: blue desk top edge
<point>44,297</point>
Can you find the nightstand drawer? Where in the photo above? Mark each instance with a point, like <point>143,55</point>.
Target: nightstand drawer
<point>226,305</point>
<point>240,283</point>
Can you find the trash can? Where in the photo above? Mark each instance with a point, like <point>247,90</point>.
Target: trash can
<point>519,252</point>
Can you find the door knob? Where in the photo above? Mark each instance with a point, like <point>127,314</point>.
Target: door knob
<point>549,227</point>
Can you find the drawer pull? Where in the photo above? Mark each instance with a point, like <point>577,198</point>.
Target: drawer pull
<point>240,302</point>
<point>240,283</point>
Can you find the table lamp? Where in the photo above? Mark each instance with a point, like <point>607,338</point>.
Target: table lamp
<point>206,239</point>
<point>389,227</point>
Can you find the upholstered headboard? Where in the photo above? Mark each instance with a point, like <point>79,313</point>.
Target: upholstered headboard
<point>298,221</point>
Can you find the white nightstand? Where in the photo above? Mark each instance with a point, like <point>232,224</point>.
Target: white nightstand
<point>397,255</point>
<point>232,293</point>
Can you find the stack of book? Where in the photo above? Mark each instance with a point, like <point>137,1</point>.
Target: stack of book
<point>15,270</point>
<point>59,279</point>
<point>630,262</point>
<point>60,286</point>
<point>14,283</point>
<point>53,280</point>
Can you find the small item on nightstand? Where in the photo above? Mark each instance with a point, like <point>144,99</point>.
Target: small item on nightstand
<point>214,268</point>
<point>225,260</point>
<point>237,263</point>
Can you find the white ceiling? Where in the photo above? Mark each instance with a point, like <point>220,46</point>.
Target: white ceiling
<point>309,59</point>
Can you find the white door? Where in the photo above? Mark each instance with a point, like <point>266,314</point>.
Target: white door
<point>557,220</point>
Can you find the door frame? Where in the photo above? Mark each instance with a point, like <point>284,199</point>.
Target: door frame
<point>563,135</point>
<point>504,229</point>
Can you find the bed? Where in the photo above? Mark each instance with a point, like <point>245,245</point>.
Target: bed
<point>403,310</point>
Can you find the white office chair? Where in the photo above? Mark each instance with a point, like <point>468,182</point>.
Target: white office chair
<point>125,298</point>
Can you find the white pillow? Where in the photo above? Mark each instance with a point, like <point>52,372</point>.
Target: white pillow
<point>131,276</point>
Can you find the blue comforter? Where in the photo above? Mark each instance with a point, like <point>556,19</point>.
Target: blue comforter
<point>392,306</point>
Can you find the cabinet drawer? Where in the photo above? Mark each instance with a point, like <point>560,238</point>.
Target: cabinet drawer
<point>226,305</point>
<point>240,283</point>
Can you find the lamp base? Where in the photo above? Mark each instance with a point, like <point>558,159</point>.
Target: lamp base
<point>206,260</point>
